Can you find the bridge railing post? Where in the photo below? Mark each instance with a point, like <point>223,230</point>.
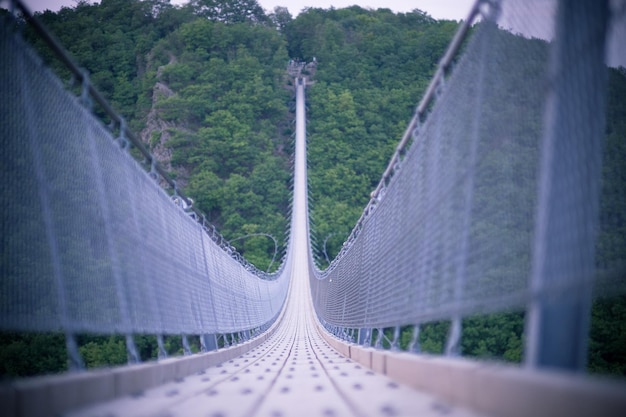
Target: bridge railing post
<point>362,337</point>
<point>395,343</point>
<point>75,359</point>
<point>208,342</point>
<point>162,353</point>
<point>414,345</point>
<point>131,350</point>
<point>557,322</point>
<point>186,347</point>
<point>378,344</point>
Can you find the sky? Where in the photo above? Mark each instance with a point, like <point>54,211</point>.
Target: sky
<point>528,16</point>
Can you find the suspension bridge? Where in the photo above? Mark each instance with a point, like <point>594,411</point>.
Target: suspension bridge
<point>490,203</point>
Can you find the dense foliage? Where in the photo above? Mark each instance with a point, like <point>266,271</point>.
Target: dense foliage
<point>206,85</point>
<point>230,126</point>
<point>374,65</point>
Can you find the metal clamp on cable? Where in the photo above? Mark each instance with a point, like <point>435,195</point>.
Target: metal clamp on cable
<point>122,140</point>
<point>85,97</point>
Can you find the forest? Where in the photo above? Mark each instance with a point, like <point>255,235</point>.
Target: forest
<point>205,86</point>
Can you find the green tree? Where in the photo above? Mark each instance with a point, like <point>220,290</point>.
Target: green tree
<point>280,18</point>
<point>230,11</point>
<point>29,354</point>
<point>108,352</point>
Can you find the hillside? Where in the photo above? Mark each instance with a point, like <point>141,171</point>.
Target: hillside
<point>208,91</point>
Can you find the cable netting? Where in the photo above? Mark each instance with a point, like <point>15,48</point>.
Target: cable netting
<point>454,231</point>
<point>90,242</point>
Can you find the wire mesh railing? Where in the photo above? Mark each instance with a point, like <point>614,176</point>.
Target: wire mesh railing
<point>491,201</point>
<point>90,241</point>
